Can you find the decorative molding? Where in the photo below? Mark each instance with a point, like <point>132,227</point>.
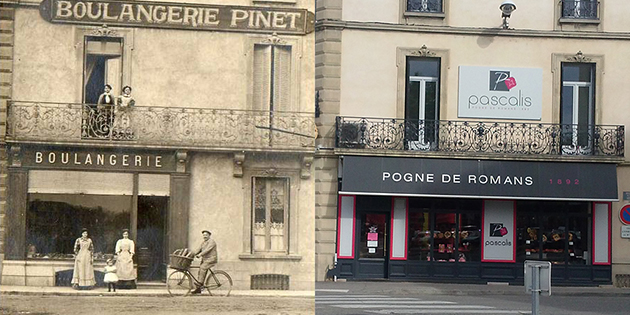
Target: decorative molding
<point>104,31</point>
<point>579,57</point>
<point>271,172</point>
<point>275,40</point>
<point>239,158</point>
<point>307,162</point>
<point>181,157</point>
<point>423,52</point>
<point>15,156</point>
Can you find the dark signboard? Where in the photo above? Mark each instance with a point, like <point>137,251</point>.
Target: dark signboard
<point>100,159</point>
<point>479,178</point>
<point>176,15</point>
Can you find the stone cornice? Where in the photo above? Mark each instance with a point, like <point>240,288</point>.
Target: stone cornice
<point>392,27</point>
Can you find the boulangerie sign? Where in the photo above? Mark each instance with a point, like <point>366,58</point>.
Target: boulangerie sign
<point>190,16</point>
<point>500,93</point>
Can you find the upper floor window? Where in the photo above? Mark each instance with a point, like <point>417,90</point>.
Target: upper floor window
<point>580,9</point>
<point>422,101</point>
<point>102,65</point>
<point>577,114</point>
<point>424,6</point>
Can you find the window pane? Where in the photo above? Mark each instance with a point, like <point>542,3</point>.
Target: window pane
<point>578,241</point>
<point>527,234</point>
<point>54,222</point>
<point>554,238</point>
<point>372,238</point>
<point>262,77</point>
<point>423,67</point>
<point>577,72</point>
<point>469,237</point>
<point>419,242</point>
<point>444,237</point>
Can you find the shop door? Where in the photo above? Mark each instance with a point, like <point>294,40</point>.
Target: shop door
<point>373,246</point>
<point>151,233</point>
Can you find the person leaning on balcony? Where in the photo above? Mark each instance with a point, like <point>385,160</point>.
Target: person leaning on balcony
<point>106,98</point>
<point>122,124</point>
<point>105,103</point>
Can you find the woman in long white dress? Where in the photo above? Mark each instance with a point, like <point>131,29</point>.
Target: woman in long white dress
<point>83,274</point>
<point>122,115</point>
<point>125,249</point>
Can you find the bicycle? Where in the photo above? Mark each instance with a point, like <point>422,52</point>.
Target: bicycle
<point>180,282</point>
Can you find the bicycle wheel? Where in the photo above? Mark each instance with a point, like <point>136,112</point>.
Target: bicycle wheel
<point>179,283</point>
<point>219,283</point>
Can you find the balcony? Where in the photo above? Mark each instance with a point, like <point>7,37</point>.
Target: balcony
<point>580,9</point>
<point>160,127</point>
<point>479,139</point>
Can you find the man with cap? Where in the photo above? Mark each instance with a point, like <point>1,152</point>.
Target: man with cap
<point>207,251</point>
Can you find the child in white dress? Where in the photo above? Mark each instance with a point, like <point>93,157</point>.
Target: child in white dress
<point>110,275</point>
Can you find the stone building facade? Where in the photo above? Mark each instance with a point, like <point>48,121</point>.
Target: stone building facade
<point>451,139</point>
<point>220,136</point>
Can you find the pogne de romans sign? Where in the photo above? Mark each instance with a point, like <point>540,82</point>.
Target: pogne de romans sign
<point>179,16</point>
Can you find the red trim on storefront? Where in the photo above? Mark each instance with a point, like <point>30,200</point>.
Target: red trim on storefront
<point>483,232</point>
<point>608,263</point>
<point>354,223</point>
<point>391,228</point>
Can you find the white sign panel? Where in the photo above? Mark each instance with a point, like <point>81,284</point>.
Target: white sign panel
<point>625,231</point>
<point>500,92</point>
<point>498,231</point>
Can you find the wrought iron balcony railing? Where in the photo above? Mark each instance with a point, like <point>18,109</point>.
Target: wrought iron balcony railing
<point>479,137</point>
<point>424,6</point>
<point>160,126</point>
<point>580,9</point>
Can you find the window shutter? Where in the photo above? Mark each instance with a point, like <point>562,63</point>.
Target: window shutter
<point>262,77</point>
<point>282,78</point>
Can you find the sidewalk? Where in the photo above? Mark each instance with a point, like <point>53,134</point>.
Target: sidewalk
<point>424,288</point>
<point>153,290</point>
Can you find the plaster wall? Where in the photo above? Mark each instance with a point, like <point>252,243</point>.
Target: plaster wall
<point>168,68</point>
<point>620,246</point>
<point>220,202</point>
<point>529,15</point>
<point>369,81</point>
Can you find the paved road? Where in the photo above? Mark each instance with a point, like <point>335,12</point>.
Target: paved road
<point>368,298</point>
<point>136,305</point>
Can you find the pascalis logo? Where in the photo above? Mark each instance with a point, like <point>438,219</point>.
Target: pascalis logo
<point>498,230</point>
<point>501,81</point>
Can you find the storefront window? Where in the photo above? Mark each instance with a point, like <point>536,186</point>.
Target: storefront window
<point>54,222</point>
<point>469,237</point>
<point>553,231</point>
<point>419,243</point>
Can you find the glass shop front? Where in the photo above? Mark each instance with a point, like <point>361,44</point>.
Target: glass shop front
<point>474,221</point>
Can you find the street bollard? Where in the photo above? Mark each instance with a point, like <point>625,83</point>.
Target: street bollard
<point>537,280</point>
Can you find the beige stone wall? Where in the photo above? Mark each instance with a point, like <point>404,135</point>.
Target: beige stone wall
<point>198,69</point>
<point>6,81</point>
<point>529,15</point>
<point>327,78</point>
<point>621,246</point>
<point>221,202</point>
<point>172,68</point>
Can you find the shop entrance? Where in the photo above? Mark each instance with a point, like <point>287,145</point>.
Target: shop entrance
<point>372,247</point>
<point>151,237</point>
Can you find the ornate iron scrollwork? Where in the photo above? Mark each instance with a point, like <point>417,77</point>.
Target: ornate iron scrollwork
<point>480,137</point>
